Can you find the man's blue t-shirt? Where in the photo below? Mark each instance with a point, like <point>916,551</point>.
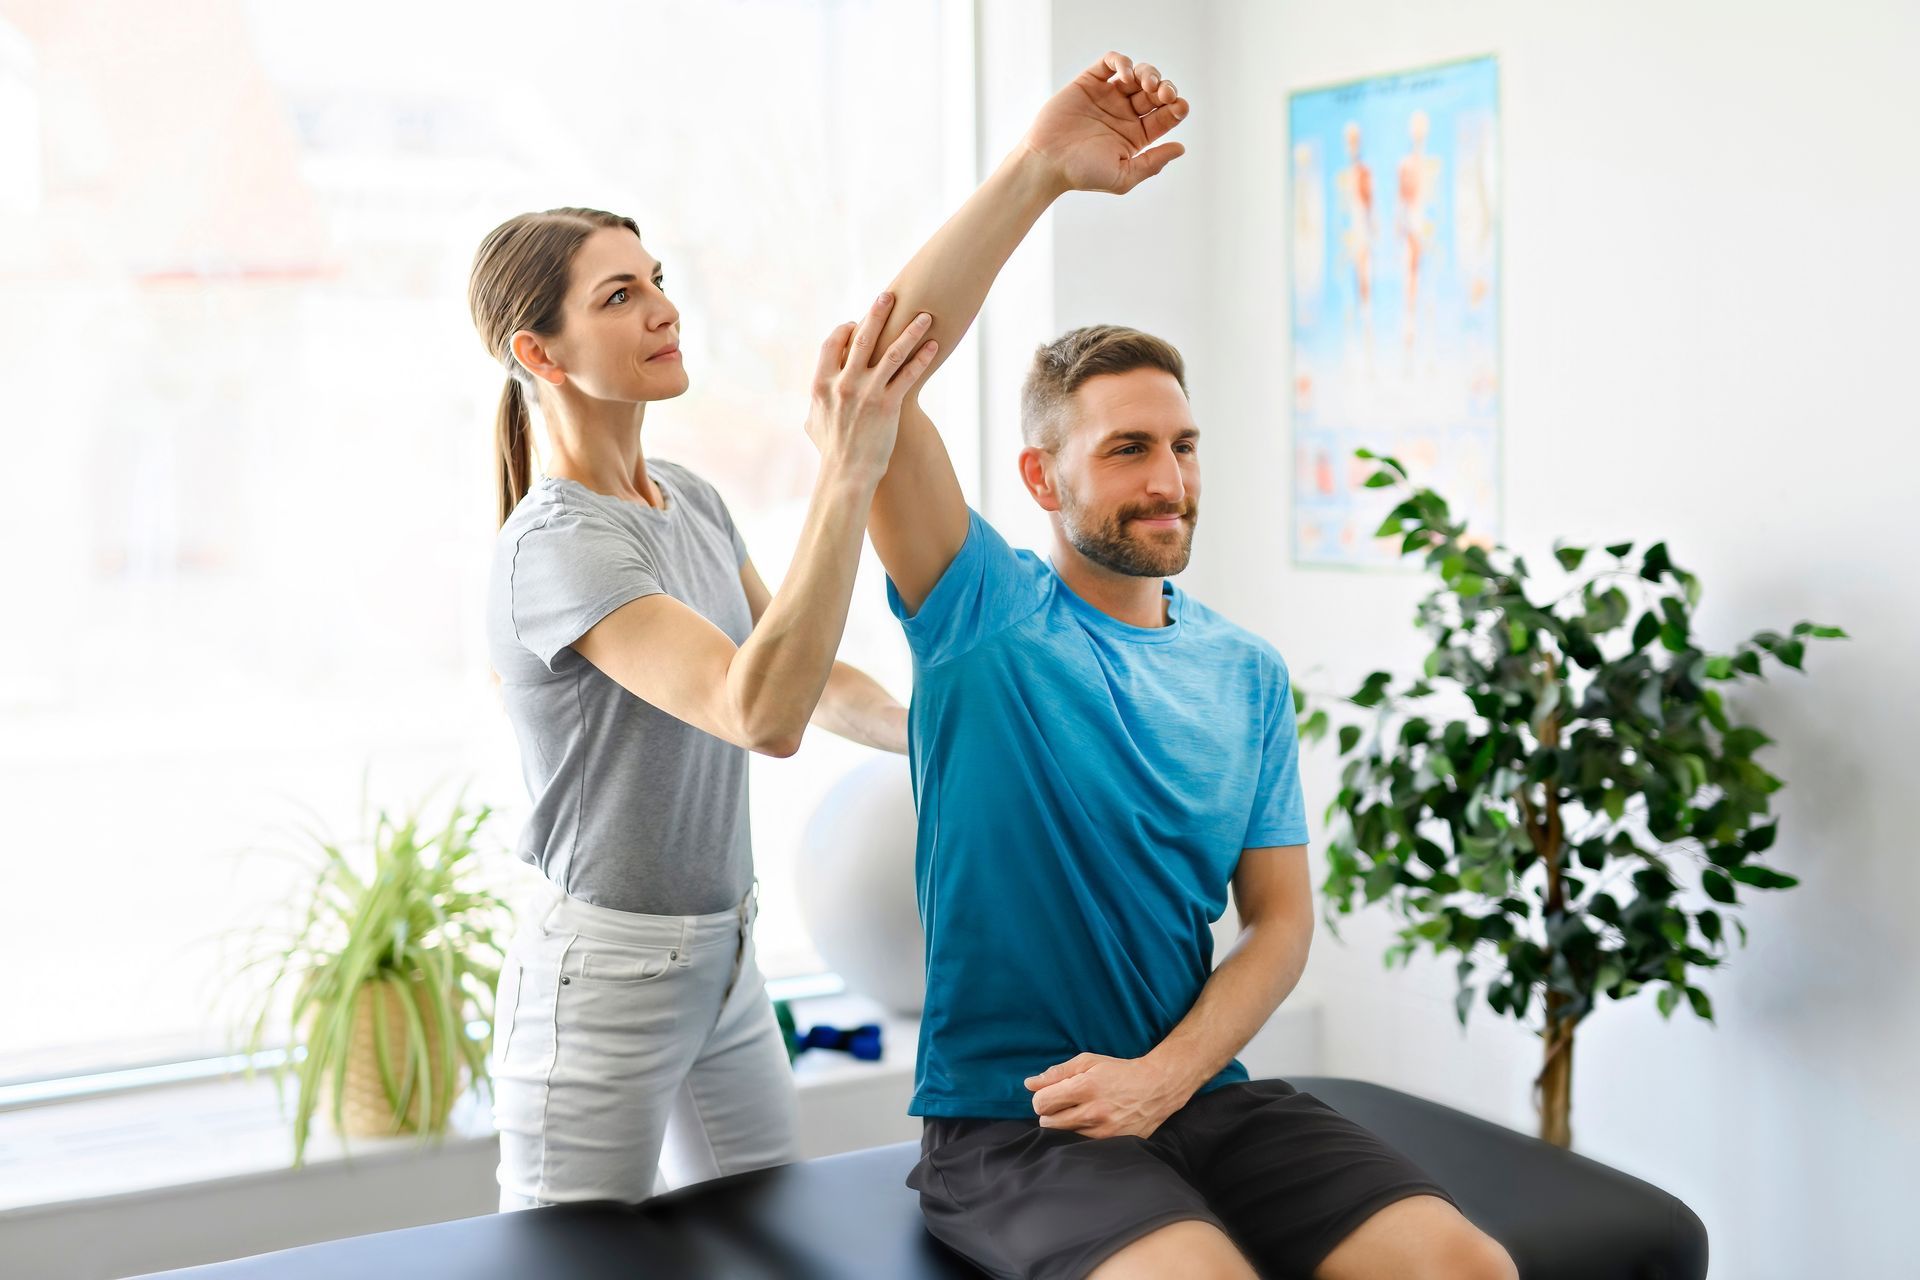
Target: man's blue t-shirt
<point>1085,788</point>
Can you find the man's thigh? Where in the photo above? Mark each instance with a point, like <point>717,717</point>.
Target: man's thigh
<point>1289,1176</point>
<point>1021,1201</point>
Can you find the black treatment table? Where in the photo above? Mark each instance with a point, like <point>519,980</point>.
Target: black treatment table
<point>1561,1216</point>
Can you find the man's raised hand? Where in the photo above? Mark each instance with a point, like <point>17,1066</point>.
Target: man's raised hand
<point>1098,133</point>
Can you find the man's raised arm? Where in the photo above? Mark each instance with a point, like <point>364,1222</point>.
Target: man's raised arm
<point>1091,136</point>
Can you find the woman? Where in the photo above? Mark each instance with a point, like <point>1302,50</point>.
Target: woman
<point>641,657</point>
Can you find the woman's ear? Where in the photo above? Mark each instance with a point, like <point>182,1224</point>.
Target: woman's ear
<point>1036,472</point>
<point>535,358</point>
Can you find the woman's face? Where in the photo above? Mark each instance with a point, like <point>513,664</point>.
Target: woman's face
<point>621,338</point>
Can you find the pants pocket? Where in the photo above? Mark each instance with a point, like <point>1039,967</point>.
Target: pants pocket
<point>598,962</point>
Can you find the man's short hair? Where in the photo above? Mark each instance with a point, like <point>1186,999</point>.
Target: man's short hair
<point>1060,368</point>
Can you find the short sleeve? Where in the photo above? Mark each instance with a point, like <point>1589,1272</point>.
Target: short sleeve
<point>988,587</point>
<point>570,571</point>
<point>713,506</point>
<point>1279,809</point>
<point>733,530</point>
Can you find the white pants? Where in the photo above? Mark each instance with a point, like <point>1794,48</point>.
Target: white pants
<point>632,1052</point>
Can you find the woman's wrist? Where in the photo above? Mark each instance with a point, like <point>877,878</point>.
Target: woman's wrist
<point>846,476</point>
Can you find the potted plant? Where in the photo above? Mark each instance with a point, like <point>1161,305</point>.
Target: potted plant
<point>393,952</point>
<point>1544,797</point>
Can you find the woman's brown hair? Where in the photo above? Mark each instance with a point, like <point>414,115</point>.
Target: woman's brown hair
<point>519,281</point>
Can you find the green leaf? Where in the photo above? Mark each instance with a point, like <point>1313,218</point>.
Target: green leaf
<point>1569,557</point>
<point>1379,881</point>
<point>1645,630</point>
<point>1518,636</point>
<point>1719,668</point>
<point>1620,550</point>
<point>1762,877</point>
<point>1349,736</point>
<point>1369,455</point>
<point>1382,480</point>
<point>1373,690</point>
<point>1667,998</point>
<point>1701,1005</point>
<point>1470,584</point>
<point>1718,887</point>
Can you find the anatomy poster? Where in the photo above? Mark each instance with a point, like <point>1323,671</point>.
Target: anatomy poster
<point>1396,302</point>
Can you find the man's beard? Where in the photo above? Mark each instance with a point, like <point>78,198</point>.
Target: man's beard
<point>1111,543</point>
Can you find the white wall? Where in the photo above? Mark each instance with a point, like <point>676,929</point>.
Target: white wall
<point>1711,280</point>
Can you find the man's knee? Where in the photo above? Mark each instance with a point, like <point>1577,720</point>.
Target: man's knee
<point>1418,1238</point>
<point>1471,1254</point>
<point>1194,1249</point>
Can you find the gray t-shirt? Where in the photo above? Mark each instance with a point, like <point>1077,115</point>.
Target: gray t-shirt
<point>632,808</point>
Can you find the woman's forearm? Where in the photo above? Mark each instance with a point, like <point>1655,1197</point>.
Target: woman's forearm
<point>856,707</point>
<point>776,679</point>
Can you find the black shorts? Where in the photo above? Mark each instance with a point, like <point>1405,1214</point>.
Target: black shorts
<point>1284,1175</point>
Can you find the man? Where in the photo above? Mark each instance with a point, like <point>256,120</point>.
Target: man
<point>1096,758</point>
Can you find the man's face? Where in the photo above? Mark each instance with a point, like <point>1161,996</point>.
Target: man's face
<point>1127,477</point>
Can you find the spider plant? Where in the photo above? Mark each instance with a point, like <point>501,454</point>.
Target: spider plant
<point>393,932</point>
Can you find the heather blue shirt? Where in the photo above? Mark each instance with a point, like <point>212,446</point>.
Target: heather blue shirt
<point>1085,789</point>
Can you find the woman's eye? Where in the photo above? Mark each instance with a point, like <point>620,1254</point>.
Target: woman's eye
<point>619,295</point>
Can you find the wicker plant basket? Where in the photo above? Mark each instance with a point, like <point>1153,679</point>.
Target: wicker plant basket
<point>366,1111</point>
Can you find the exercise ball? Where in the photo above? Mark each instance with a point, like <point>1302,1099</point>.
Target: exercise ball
<point>856,884</point>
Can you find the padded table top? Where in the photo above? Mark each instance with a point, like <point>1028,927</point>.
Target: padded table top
<point>852,1217</point>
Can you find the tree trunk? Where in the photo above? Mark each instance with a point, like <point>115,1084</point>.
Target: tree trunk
<point>1553,1089</point>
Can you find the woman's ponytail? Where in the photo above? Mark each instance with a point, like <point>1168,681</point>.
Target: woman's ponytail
<point>510,431</point>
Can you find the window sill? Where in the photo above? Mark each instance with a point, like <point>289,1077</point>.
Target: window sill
<point>93,1149</point>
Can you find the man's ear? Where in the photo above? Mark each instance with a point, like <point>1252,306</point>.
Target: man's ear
<point>1036,472</point>
<point>534,356</point>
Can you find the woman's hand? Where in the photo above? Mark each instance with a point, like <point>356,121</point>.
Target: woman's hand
<point>855,416</point>
<point>1092,134</point>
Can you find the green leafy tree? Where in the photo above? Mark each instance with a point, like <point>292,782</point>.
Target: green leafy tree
<point>1544,799</point>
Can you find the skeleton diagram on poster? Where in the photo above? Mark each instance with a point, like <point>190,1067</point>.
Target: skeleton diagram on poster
<point>1396,333</point>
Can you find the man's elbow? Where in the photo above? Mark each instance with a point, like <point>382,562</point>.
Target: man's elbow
<point>1290,921</point>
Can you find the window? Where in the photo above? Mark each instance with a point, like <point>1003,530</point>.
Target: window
<point>250,424</point>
